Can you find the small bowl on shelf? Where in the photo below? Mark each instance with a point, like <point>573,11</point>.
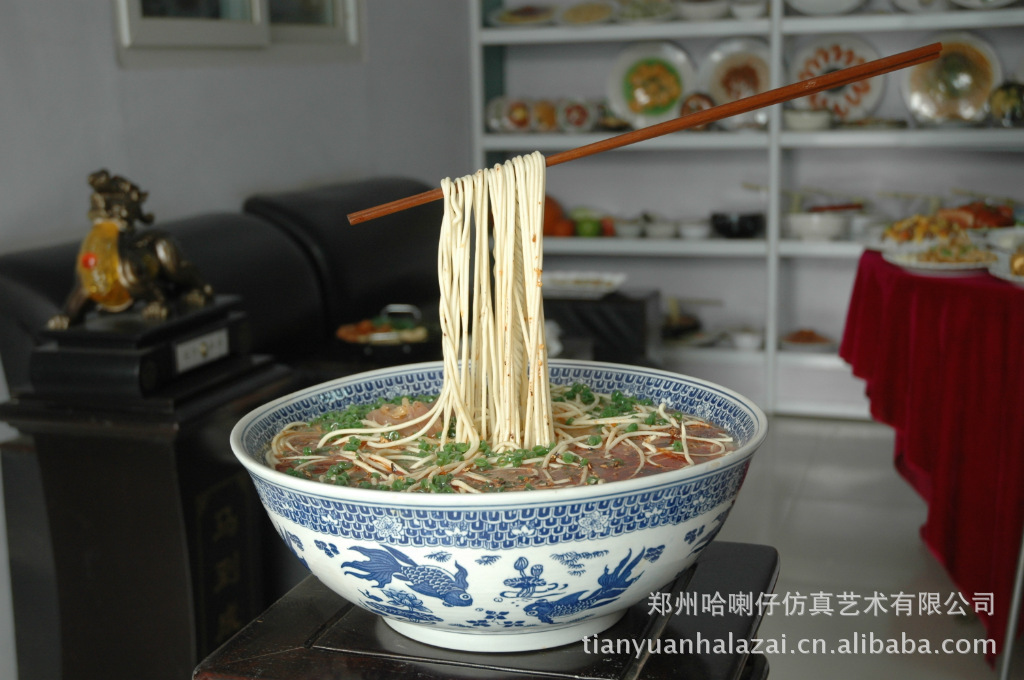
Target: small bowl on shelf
<point>816,226</point>
<point>702,10</point>
<point>748,9</point>
<point>629,228</point>
<point>807,120</point>
<point>694,230</point>
<point>661,229</point>
<point>746,339</point>
<point>738,224</point>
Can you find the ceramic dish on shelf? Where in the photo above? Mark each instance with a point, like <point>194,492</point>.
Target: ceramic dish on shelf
<point>699,339</point>
<point>921,6</point>
<point>824,7</point>
<point>746,10</point>
<point>1001,270</point>
<point>807,120</point>
<point>735,69</point>
<point>702,10</point>
<point>648,82</point>
<point>746,339</point>
<point>576,115</point>
<point>523,15</point>
<point>832,53</point>
<point>983,4</point>
<point>807,340</point>
<point>588,13</point>
<point>954,88</point>
<point>643,11</point>
<point>911,263</point>
<point>816,226</point>
<point>580,285</point>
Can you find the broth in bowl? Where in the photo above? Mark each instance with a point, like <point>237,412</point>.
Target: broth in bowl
<point>599,438</point>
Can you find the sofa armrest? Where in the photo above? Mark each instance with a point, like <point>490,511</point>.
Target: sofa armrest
<point>236,253</point>
<point>365,267</point>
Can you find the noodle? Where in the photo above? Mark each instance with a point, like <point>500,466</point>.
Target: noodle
<point>497,423</point>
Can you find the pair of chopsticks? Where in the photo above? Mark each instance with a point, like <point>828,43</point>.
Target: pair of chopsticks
<point>777,96</point>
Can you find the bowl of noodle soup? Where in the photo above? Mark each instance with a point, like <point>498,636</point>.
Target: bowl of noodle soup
<point>499,500</point>
<point>558,564</point>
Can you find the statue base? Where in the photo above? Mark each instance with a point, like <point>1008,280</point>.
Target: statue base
<point>124,356</point>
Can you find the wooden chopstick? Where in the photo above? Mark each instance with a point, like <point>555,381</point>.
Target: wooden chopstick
<point>777,96</point>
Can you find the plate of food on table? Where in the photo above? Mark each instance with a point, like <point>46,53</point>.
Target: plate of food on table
<point>957,255</point>
<point>920,232</point>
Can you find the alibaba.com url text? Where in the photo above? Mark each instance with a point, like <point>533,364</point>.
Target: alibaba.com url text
<point>859,643</point>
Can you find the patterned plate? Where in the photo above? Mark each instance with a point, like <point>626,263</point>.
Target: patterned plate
<point>855,101</point>
<point>910,262</point>
<point>983,4</point>
<point>733,70</point>
<point>525,15</point>
<point>955,87</point>
<point>648,83</point>
<point>824,7</point>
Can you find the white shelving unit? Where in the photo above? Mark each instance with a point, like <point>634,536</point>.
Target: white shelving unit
<point>775,283</point>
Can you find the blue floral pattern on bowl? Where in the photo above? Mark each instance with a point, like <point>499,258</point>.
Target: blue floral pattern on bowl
<point>528,569</point>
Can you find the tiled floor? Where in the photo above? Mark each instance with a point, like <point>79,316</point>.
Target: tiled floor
<point>826,495</point>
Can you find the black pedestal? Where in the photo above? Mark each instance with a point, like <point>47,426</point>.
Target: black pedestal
<point>313,633</point>
<point>137,541</point>
<point>125,357</point>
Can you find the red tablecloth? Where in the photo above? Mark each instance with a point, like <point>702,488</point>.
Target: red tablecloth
<point>943,359</point>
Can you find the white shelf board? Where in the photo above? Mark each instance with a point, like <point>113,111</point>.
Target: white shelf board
<point>717,355</point>
<point>992,139</point>
<point>675,141</point>
<point>617,247</point>
<point>822,409</point>
<point>838,249</point>
<point>665,30</point>
<point>817,360</point>
<point>899,21</point>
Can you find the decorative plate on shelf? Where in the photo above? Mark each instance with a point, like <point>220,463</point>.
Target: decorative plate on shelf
<point>831,53</point>
<point>648,83</point>
<point>824,7</point>
<point>588,13</point>
<point>641,11</point>
<point>983,4</point>
<point>955,87</point>
<point>523,15</point>
<point>910,262</point>
<point>733,70</point>
<point>921,6</point>
<point>1001,270</point>
<point>580,285</point>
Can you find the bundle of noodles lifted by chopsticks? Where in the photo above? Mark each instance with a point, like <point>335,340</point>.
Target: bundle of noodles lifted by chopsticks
<point>495,372</point>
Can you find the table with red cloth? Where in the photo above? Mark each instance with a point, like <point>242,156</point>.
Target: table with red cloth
<point>943,362</point>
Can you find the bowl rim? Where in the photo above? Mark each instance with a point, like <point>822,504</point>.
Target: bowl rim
<point>494,501</point>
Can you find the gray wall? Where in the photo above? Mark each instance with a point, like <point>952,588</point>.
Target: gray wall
<point>203,138</point>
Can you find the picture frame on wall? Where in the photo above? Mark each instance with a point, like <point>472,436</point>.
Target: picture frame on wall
<point>193,23</point>
<point>203,32</point>
<point>314,21</point>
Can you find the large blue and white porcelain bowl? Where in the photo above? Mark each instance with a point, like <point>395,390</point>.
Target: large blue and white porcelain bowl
<point>507,571</point>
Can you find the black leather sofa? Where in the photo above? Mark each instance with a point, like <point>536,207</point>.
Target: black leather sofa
<point>300,270</point>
